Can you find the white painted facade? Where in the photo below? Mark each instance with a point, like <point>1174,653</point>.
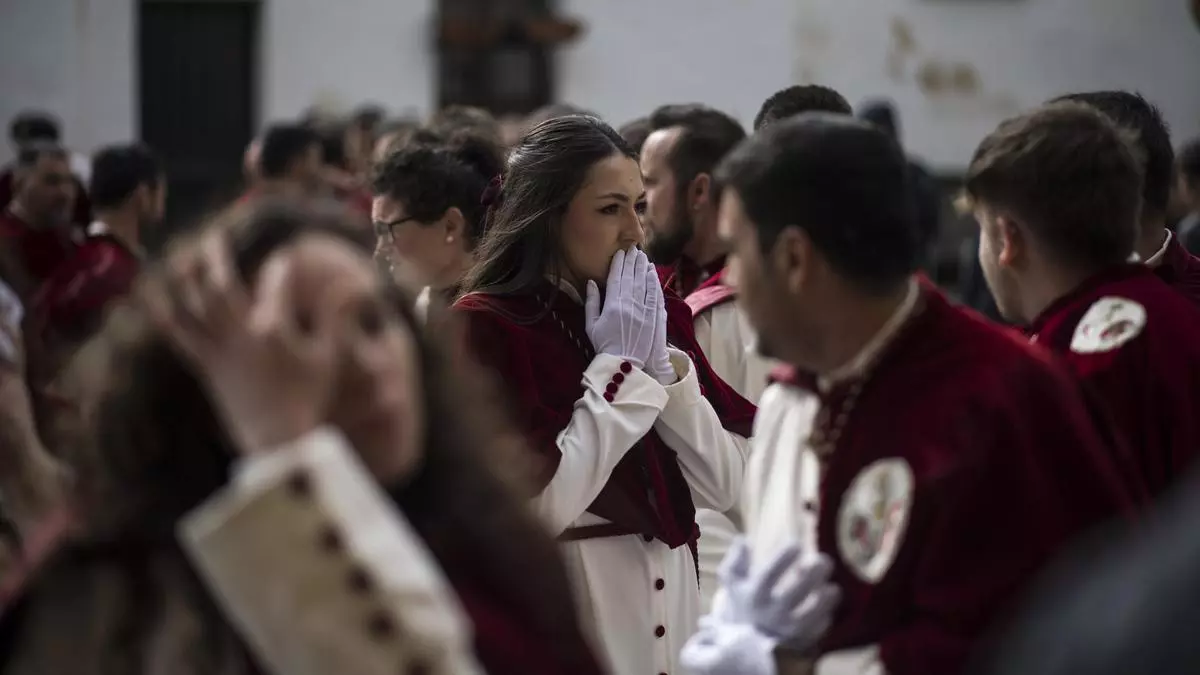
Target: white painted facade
<point>955,67</point>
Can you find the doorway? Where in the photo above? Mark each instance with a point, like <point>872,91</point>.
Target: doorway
<point>198,65</point>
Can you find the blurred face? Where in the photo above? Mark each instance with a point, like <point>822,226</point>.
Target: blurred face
<point>307,170</point>
<point>604,216</point>
<point>47,192</point>
<point>152,203</point>
<point>378,402</point>
<point>669,226</point>
<point>758,296</point>
<point>997,254</point>
<point>433,249</point>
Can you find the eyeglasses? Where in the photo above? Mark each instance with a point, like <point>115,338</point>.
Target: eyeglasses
<point>384,230</point>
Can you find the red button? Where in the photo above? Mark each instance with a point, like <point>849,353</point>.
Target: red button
<point>611,388</point>
<point>626,367</point>
<point>659,585</point>
<point>608,397</point>
<point>660,631</point>
<point>618,378</point>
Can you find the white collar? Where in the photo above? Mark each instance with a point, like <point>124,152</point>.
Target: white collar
<point>1156,259</point>
<point>98,229</point>
<point>855,366</point>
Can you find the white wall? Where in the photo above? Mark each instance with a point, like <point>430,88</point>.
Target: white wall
<point>955,67</point>
<point>1009,54</point>
<point>340,53</point>
<point>74,58</point>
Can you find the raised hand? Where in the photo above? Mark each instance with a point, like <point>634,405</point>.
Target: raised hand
<point>795,610</point>
<point>269,368</point>
<point>625,327</point>
<point>659,365</point>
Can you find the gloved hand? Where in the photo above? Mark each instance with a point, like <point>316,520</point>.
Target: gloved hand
<point>728,649</point>
<point>659,366</point>
<point>797,613</point>
<point>625,327</point>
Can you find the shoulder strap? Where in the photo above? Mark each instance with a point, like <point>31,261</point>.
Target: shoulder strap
<point>710,296</point>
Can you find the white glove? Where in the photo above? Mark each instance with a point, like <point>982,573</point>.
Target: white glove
<point>625,328</point>
<point>796,614</point>
<point>728,649</point>
<point>659,366</point>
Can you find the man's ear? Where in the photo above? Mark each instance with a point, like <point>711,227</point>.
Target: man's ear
<point>700,192</point>
<point>1013,242</point>
<point>791,257</point>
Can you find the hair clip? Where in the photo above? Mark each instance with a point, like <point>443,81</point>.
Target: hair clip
<point>491,194</point>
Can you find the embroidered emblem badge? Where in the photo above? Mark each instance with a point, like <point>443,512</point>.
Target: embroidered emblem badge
<point>873,516</point>
<point>1109,323</point>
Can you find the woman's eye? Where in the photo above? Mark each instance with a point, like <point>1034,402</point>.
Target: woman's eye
<point>640,208</point>
<point>611,209</point>
<point>370,319</point>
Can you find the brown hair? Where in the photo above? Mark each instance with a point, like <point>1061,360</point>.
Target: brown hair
<point>159,450</point>
<point>1070,176</point>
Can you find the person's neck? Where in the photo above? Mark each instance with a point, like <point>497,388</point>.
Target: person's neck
<point>123,226</point>
<point>454,273</point>
<point>848,331</point>
<point>1151,236</point>
<point>1055,284</point>
<point>704,248</point>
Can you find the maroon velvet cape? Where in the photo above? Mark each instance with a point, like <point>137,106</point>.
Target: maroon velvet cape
<point>1007,467</point>
<point>1150,386</point>
<point>541,367</point>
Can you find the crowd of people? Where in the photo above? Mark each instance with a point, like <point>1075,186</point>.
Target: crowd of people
<point>563,397</point>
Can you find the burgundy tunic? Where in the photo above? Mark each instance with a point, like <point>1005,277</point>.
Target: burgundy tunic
<point>541,364</point>
<point>1143,365</point>
<point>1181,270</point>
<point>72,302</point>
<point>36,254</point>
<point>1006,468</point>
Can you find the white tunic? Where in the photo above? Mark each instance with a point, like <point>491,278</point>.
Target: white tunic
<point>728,341</point>
<point>781,499</point>
<point>639,600</point>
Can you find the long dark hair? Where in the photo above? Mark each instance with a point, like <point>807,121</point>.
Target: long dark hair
<point>545,170</point>
<point>159,449</point>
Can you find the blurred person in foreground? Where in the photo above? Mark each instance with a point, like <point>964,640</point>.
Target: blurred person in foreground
<point>430,208</point>
<point>1057,194</point>
<point>1155,244</point>
<point>677,162</point>
<point>273,457</point>
<point>1121,604</point>
<point>723,331</point>
<point>629,428</point>
<point>911,459</point>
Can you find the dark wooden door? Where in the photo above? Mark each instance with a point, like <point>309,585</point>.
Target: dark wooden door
<point>198,85</point>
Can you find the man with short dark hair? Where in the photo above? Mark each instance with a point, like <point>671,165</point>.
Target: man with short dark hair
<point>1057,193</point>
<point>678,158</point>
<point>799,99</point>
<point>290,160</point>
<point>35,229</point>
<point>635,132</point>
<point>919,459</point>
<point>129,193</point>
<point>1156,245</point>
<point>39,128</point>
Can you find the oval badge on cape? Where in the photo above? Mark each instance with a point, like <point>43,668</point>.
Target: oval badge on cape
<point>1109,323</point>
<point>873,517</point>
